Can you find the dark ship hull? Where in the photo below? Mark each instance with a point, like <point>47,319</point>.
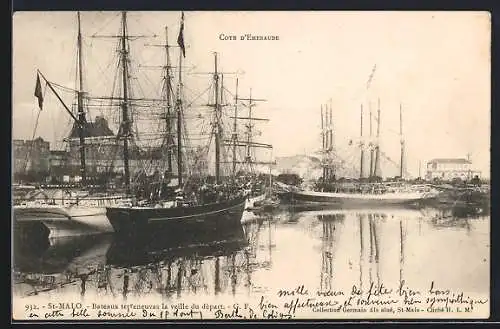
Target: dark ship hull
<point>356,199</point>
<point>177,224</point>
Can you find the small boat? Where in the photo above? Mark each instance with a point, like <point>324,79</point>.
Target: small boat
<point>253,201</point>
<point>75,215</point>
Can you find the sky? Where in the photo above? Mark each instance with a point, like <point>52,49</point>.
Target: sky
<point>435,65</point>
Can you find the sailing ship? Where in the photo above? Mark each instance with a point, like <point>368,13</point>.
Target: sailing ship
<point>365,191</point>
<point>258,187</point>
<point>75,212</point>
<point>195,208</point>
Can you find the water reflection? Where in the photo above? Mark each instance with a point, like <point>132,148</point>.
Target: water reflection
<point>325,250</point>
<point>59,255</point>
<point>329,237</point>
<point>114,267</point>
<point>390,246</point>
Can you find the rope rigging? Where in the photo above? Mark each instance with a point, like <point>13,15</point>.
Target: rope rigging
<point>147,117</point>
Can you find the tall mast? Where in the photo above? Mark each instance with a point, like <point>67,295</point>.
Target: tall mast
<point>331,126</point>
<point>125,132</point>
<point>328,139</point>
<point>248,143</point>
<point>368,84</point>
<point>221,101</point>
<point>179,123</point>
<point>81,112</point>
<point>327,123</point>
<point>235,127</point>
<point>376,170</point>
<point>248,157</point>
<point>221,89</point>
<point>401,169</point>
<point>371,140</point>
<point>327,136</point>
<point>167,99</point>
<point>125,114</point>
<point>362,155</point>
<point>324,124</point>
<point>168,95</point>
<point>331,170</point>
<point>217,123</point>
<point>324,138</point>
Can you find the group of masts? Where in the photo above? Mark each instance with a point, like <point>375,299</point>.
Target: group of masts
<point>374,143</point>
<point>217,105</point>
<point>125,130</point>
<point>248,142</point>
<point>172,111</point>
<point>166,98</point>
<point>125,133</point>
<point>375,147</point>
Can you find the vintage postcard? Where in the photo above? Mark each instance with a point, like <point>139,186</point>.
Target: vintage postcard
<point>251,165</point>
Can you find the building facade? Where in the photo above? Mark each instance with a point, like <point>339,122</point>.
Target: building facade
<point>31,158</point>
<point>449,169</point>
<point>34,161</point>
<point>104,153</point>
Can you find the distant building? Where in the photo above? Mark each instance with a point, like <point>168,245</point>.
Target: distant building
<point>34,161</point>
<point>448,169</point>
<point>31,158</point>
<point>58,165</point>
<point>100,146</point>
<point>104,152</point>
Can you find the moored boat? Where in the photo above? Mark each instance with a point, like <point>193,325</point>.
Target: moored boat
<point>253,201</point>
<point>64,217</point>
<point>153,223</point>
<point>395,197</point>
<point>61,221</point>
<point>367,191</point>
<point>199,205</point>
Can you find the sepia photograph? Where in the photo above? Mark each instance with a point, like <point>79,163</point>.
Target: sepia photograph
<point>250,165</point>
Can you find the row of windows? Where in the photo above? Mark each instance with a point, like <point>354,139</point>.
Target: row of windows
<point>456,166</point>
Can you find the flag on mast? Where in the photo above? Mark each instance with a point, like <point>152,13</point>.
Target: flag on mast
<point>180,38</point>
<point>38,92</point>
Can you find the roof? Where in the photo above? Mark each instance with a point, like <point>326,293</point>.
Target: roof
<point>458,161</point>
<point>98,128</point>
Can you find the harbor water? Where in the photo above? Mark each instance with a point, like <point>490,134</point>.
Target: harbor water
<point>322,251</point>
